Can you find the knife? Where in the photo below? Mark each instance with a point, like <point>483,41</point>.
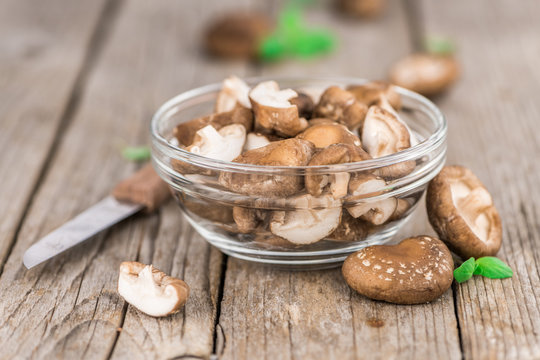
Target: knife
<point>143,190</point>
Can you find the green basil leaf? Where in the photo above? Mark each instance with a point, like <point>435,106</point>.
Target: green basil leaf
<point>439,45</point>
<point>136,153</point>
<point>465,271</point>
<point>493,268</point>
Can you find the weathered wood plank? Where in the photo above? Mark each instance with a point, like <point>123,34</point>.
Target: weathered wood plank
<point>267,313</point>
<point>492,114</point>
<point>69,307</point>
<point>39,64</point>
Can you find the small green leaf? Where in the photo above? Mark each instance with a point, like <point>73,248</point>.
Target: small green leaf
<point>493,268</point>
<point>136,153</point>
<point>439,45</point>
<point>465,271</point>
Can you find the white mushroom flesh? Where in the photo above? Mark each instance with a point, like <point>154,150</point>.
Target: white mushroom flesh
<point>255,141</point>
<point>142,291</point>
<point>268,94</point>
<point>385,104</point>
<point>470,204</point>
<point>378,211</point>
<point>383,134</point>
<point>234,91</point>
<point>307,226</point>
<point>339,185</point>
<point>225,144</point>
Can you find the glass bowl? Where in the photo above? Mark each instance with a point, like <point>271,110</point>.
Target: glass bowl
<point>212,208</point>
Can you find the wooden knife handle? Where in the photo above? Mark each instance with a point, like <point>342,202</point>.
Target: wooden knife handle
<point>145,187</point>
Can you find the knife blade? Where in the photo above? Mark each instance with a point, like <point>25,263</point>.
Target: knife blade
<point>143,190</point>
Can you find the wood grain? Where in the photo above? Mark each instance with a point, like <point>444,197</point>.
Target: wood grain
<point>268,313</point>
<point>41,57</point>
<point>492,113</point>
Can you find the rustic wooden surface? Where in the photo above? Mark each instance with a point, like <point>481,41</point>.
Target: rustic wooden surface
<point>80,79</point>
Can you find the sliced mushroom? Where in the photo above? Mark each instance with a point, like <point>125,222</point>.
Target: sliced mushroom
<point>150,290</point>
<point>376,212</point>
<point>274,111</point>
<point>255,141</point>
<point>290,152</point>
<point>402,206</point>
<point>225,144</point>
<point>384,134</point>
<point>350,229</point>
<point>308,224</point>
<point>417,270</point>
<point>340,105</point>
<point>462,212</point>
<point>185,132</point>
<point>233,93</point>
<point>248,219</point>
<point>371,93</point>
<point>339,182</point>
<point>325,132</point>
<point>305,105</point>
<point>237,35</point>
<point>427,74</point>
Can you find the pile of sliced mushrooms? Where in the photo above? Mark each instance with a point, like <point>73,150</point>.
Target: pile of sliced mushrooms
<point>266,125</point>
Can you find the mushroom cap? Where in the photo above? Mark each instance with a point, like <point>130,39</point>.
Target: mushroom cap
<point>376,212</point>
<point>415,271</point>
<point>248,219</point>
<point>305,105</point>
<point>427,74</point>
<point>340,105</point>
<point>273,110</point>
<point>383,134</point>
<point>151,290</point>
<point>237,35</point>
<point>233,93</point>
<point>307,225</point>
<point>462,212</point>
<point>289,152</point>
<point>372,92</point>
<point>325,132</point>
<point>333,154</point>
<point>185,132</point>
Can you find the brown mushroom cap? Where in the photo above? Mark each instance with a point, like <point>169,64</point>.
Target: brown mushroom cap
<point>289,152</point>
<point>305,105</point>
<point>340,105</point>
<point>415,271</point>
<point>427,74</point>
<point>333,154</point>
<point>237,35</point>
<point>326,132</point>
<point>274,111</point>
<point>372,92</point>
<point>462,212</point>
<point>185,132</point>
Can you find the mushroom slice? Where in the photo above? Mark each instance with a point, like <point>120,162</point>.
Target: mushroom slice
<point>150,290</point>
<point>185,132</point>
<point>273,110</point>
<point>305,105</point>
<point>462,212</point>
<point>325,132</point>
<point>339,182</point>
<point>307,225</point>
<point>234,92</point>
<point>289,152</point>
<point>225,144</point>
<point>415,271</point>
<point>350,229</point>
<point>248,219</point>
<point>427,74</point>
<point>255,141</point>
<point>376,212</point>
<point>384,134</point>
<point>371,93</point>
<point>340,105</point>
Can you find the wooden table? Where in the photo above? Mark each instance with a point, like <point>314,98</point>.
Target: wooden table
<point>79,79</point>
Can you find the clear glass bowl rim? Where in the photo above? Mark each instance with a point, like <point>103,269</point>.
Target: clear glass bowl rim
<point>436,139</point>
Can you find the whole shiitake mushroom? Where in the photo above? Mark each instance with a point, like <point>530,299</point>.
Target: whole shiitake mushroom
<point>417,270</point>
<point>462,212</point>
